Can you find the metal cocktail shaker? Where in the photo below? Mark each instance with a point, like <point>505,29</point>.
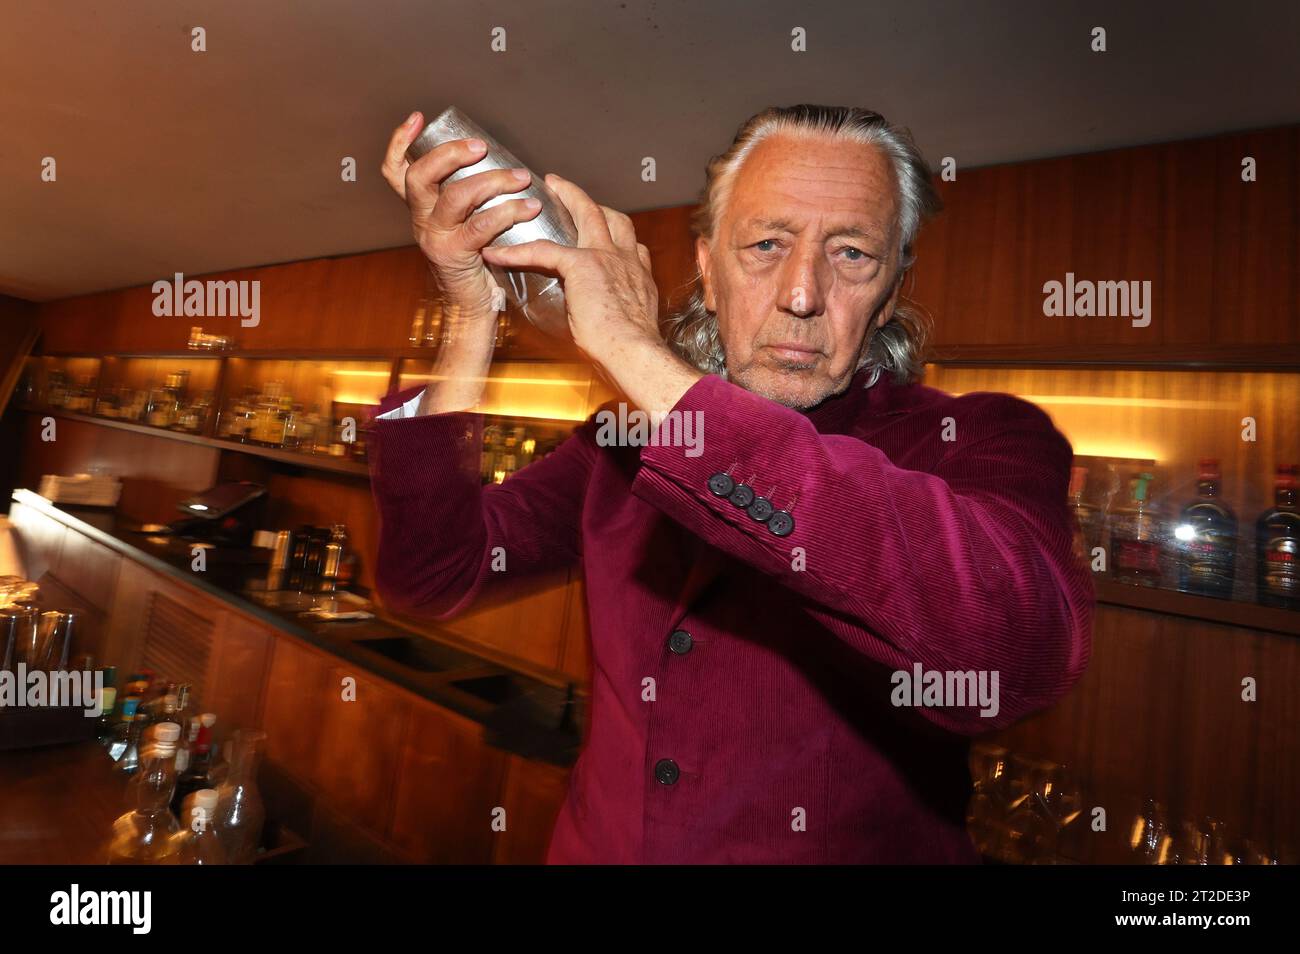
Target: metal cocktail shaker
<point>539,297</point>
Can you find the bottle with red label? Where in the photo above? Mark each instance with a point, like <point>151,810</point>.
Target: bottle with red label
<point>1206,535</point>
<point>1277,545</point>
<point>1135,537</point>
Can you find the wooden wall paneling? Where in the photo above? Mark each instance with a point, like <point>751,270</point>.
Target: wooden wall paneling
<point>1158,714</point>
<point>90,567</point>
<point>1196,259</point>
<point>448,785</point>
<point>526,621</point>
<point>294,708</point>
<point>180,639</point>
<point>534,793</point>
<point>40,539</point>
<point>238,675</point>
<point>1222,255</point>
<point>360,744</point>
<point>1257,277</point>
<point>667,234</point>
<point>970,277</point>
<point>157,473</point>
<point>353,302</point>
<point>1052,211</point>
<point>390,288</point>
<point>123,639</point>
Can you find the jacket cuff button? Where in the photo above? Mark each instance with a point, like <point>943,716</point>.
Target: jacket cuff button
<point>781,523</point>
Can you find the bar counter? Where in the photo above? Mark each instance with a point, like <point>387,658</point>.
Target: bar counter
<point>519,713</point>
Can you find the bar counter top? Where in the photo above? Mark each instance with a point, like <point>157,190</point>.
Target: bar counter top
<point>519,712</point>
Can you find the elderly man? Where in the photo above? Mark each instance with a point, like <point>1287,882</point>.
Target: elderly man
<point>789,620</point>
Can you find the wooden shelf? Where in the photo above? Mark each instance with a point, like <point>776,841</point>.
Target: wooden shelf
<point>1174,603</point>
<point>308,461</point>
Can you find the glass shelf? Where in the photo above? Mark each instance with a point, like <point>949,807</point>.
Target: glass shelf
<point>1125,423</point>
<point>174,394</point>
<point>59,383</point>
<point>310,407</point>
<point>530,408</point>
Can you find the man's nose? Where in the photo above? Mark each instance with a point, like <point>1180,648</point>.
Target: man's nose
<point>801,282</point>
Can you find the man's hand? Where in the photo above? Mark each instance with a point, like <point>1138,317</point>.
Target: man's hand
<point>611,299</point>
<point>609,291</point>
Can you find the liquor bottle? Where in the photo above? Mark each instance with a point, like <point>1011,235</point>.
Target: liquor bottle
<point>185,705</point>
<point>169,713</point>
<point>199,842</point>
<point>1087,518</point>
<point>144,835</point>
<point>130,761</point>
<point>195,775</point>
<point>1135,539</point>
<point>107,718</point>
<point>1277,545</point>
<point>240,813</point>
<point>185,746</point>
<point>1207,538</point>
<point>121,734</point>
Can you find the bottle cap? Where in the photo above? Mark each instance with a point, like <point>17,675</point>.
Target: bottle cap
<point>167,732</point>
<point>108,698</point>
<point>170,703</point>
<point>206,798</point>
<point>163,750</point>
<point>208,719</point>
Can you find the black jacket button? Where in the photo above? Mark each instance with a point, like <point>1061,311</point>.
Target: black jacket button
<point>781,523</point>
<point>742,496</point>
<point>760,509</point>
<point>666,771</point>
<point>721,485</point>
<point>680,642</point>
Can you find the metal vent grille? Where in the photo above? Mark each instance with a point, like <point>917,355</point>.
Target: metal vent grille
<point>177,643</point>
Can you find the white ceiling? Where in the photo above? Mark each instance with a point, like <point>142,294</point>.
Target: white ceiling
<point>170,160</point>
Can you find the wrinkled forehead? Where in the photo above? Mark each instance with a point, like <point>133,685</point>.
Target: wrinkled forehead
<point>797,180</point>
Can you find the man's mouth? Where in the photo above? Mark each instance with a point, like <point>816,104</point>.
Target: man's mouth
<point>793,351</point>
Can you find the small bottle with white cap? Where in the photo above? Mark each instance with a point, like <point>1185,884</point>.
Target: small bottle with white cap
<point>197,843</point>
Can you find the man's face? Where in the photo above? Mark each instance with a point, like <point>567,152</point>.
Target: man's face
<point>802,265</point>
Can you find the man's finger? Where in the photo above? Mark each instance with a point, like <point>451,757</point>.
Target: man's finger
<point>394,164</point>
<point>593,230</point>
<point>620,227</point>
<point>538,255</point>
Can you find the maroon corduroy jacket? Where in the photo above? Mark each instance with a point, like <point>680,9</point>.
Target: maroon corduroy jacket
<point>743,690</point>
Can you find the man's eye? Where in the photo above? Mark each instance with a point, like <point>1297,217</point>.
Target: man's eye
<point>759,245</point>
<point>857,256</point>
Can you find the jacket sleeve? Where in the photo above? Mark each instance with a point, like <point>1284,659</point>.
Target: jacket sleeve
<point>969,567</point>
<point>440,528</point>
